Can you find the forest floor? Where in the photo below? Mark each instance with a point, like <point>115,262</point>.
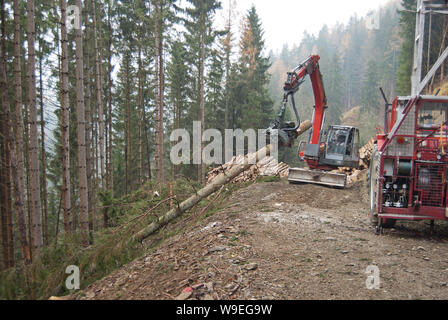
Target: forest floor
<point>274,240</point>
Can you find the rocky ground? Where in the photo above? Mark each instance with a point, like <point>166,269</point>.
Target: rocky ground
<point>280,241</point>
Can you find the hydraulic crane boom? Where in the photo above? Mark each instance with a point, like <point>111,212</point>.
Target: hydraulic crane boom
<point>295,78</point>
<point>341,147</point>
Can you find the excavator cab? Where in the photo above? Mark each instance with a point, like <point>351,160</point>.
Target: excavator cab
<point>339,149</point>
<point>342,147</point>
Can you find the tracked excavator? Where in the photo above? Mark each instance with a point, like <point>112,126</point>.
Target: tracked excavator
<point>324,150</point>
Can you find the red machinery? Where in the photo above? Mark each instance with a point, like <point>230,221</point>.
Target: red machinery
<point>324,151</point>
<point>409,166</point>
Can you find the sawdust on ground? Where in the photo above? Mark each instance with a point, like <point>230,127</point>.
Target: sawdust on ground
<point>280,241</point>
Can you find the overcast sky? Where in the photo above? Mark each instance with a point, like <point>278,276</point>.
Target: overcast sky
<point>284,21</point>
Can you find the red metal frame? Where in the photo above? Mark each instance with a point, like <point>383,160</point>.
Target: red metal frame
<point>426,198</point>
<point>311,67</point>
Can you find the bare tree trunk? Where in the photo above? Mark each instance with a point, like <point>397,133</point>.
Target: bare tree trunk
<point>36,218</point>
<point>129,134</point>
<point>201,117</point>
<point>217,183</point>
<point>228,48</point>
<point>161,108</point>
<point>5,187</point>
<point>111,160</point>
<point>87,99</point>
<point>158,155</point>
<point>19,181</point>
<point>99,90</point>
<point>95,165</point>
<point>8,147</point>
<point>214,185</point>
<point>11,154</point>
<point>148,151</point>
<point>127,124</point>
<point>82,174</point>
<point>28,174</point>
<point>65,122</point>
<point>43,155</point>
<point>140,117</point>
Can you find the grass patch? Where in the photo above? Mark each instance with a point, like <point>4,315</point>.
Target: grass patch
<point>113,246</point>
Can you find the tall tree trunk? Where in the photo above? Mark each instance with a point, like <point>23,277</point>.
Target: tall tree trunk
<point>5,187</point>
<point>201,118</point>
<point>36,218</point>
<point>95,165</point>
<point>228,50</point>
<point>87,99</point>
<point>110,169</point>
<point>157,97</point>
<point>65,122</point>
<point>99,90</point>
<point>28,172</point>
<point>19,185</point>
<point>43,155</point>
<point>140,117</point>
<point>161,100</point>
<point>5,183</point>
<point>148,151</point>
<point>126,123</point>
<point>128,131</point>
<point>82,172</point>
<point>9,147</point>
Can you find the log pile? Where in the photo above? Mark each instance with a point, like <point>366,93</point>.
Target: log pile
<point>365,154</point>
<point>214,185</point>
<point>266,167</point>
<point>270,167</point>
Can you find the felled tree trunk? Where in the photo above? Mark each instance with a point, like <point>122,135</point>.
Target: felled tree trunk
<point>218,182</point>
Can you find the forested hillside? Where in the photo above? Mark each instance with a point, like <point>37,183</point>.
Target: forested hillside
<point>356,59</point>
<point>92,90</point>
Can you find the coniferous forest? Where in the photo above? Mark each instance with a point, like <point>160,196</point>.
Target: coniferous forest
<point>87,111</point>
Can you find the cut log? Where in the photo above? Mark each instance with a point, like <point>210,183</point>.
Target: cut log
<point>217,183</point>
<point>266,167</point>
<point>220,180</point>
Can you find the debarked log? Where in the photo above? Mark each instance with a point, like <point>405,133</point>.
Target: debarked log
<point>222,179</point>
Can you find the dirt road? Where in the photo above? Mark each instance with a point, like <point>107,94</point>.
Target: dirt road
<point>281,241</point>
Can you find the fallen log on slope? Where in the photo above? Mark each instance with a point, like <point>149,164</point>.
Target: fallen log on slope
<point>220,180</point>
<point>268,166</point>
<point>217,183</point>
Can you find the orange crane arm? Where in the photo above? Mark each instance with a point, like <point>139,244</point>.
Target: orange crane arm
<point>310,67</point>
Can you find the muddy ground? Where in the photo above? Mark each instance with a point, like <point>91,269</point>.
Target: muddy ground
<point>280,241</point>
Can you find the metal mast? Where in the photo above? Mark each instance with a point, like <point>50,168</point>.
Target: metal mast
<point>424,7</point>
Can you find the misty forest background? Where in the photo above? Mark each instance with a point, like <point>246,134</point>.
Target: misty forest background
<point>86,114</point>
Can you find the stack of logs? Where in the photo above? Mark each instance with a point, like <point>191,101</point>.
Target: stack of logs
<point>365,153</point>
<point>265,167</point>
<point>270,167</point>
